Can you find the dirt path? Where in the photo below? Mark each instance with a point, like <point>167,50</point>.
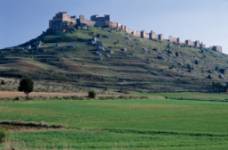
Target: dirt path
<point>12,94</point>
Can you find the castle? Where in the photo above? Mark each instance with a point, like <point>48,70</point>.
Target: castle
<point>62,22</point>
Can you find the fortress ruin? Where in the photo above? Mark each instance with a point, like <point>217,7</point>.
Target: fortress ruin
<point>62,22</point>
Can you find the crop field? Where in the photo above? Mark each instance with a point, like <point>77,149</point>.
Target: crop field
<point>164,121</point>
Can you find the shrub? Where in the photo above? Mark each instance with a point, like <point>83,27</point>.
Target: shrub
<point>155,49</point>
<point>160,57</point>
<point>222,71</point>
<point>177,54</point>
<point>209,77</point>
<point>196,62</point>
<point>92,94</point>
<point>219,87</point>
<point>2,136</point>
<point>3,82</point>
<point>189,68</point>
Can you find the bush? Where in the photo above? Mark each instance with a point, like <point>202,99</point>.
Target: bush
<point>92,94</point>
<point>189,68</point>
<point>2,136</point>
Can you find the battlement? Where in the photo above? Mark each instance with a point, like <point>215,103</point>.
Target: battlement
<point>82,21</point>
<point>174,40</point>
<point>197,44</point>
<point>143,34</point>
<point>160,37</point>
<point>101,21</point>
<point>113,25</point>
<point>153,35</point>
<point>62,22</point>
<point>136,33</point>
<point>189,43</point>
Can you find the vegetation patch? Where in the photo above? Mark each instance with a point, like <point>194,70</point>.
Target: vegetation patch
<point>2,136</point>
<point>144,132</point>
<point>17,125</point>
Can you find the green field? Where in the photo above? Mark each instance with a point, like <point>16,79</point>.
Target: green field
<point>152,124</point>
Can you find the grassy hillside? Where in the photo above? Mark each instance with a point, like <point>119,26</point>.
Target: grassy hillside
<point>107,59</point>
<point>159,124</point>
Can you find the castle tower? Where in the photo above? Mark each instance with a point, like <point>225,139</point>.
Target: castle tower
<point>62,22</point>
<point>153,35</point>
<point>142,34</point>
<point>197,44</point>
<point>160,37</point>
<point>189,43</point>
<point>101,21</point>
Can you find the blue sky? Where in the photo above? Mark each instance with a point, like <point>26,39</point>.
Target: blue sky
<point>205,20</point>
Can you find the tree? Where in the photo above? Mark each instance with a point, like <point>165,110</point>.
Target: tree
<point>92,94</point>
<point>26,86</point>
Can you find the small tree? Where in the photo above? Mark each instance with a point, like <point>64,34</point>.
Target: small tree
<point>92,94</point>
<point>26,86</point>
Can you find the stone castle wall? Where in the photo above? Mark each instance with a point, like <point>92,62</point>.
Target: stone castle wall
<point>153,35</point>
<point>63,22</point>
<point>101,21</point>
<point>82,21</point>
<point>174,40</point>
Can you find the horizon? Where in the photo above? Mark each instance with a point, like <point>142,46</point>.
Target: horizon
<point>167,18</point>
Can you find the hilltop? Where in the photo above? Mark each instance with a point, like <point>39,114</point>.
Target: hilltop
<point>109,59</point>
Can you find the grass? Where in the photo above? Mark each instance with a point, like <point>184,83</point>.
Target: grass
<point>196,96</point>
<point>156,123</point>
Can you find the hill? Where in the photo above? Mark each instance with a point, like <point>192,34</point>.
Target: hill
<point>106,59</point>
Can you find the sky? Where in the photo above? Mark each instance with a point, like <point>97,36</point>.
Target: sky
<point>204,20</point>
